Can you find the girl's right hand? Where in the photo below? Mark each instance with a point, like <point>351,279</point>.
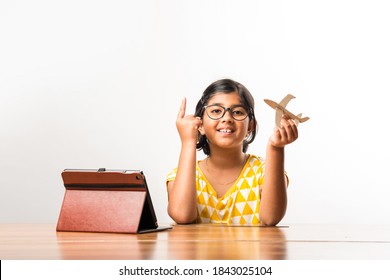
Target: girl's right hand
<point>187,126</point>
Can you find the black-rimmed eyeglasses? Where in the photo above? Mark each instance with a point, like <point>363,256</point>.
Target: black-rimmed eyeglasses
<point>216,112</point>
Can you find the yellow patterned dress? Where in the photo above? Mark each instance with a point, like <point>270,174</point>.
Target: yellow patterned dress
<point>240,204</point>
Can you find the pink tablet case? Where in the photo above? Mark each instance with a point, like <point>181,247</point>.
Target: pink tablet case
<point>106,201</point>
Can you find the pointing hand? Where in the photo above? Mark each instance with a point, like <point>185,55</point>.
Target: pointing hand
<point>187,125</point>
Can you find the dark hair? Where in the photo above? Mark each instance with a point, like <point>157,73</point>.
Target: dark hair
<point>226,86</point>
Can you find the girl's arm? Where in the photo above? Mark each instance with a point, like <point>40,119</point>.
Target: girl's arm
<point>274,193</point>
<point>182,191</point>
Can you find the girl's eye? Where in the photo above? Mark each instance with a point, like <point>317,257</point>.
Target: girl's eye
<point>239,112</point>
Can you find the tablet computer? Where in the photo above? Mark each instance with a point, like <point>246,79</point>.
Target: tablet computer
<point>100,200</point>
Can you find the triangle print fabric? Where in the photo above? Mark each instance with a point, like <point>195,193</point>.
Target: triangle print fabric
<point>241,203</point>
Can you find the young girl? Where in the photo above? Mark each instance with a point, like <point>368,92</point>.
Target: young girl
<point>228,186</point>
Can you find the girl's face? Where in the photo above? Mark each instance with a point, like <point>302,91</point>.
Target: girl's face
<point>226,132</point>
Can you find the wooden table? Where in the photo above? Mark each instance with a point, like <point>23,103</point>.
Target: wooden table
<point>199,242</point>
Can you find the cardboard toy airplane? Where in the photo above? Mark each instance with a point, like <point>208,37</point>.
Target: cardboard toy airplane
<point>280,109</point>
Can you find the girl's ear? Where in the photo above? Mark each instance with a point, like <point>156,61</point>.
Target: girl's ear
<point>201,130</point>
<point>251,126</point>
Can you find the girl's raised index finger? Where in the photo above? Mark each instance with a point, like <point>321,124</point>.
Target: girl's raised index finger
<point>182,110</point>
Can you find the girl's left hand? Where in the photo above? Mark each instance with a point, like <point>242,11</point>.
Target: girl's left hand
<point>285,135</point>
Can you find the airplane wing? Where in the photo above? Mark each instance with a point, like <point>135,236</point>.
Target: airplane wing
<point>285,100</point>
<point>280,111</point>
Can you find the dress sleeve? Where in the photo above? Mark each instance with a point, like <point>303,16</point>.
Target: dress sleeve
<point>287,179</point>
<point>171,176</point>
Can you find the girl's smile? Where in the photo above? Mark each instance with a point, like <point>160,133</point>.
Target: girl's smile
<point>226,131</point>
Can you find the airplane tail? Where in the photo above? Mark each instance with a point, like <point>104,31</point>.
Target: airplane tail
<point>303,119</point>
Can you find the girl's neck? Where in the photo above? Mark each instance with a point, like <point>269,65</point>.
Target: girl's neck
<point>227,158</point>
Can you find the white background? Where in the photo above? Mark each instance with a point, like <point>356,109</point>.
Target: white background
<point>89,84</point>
